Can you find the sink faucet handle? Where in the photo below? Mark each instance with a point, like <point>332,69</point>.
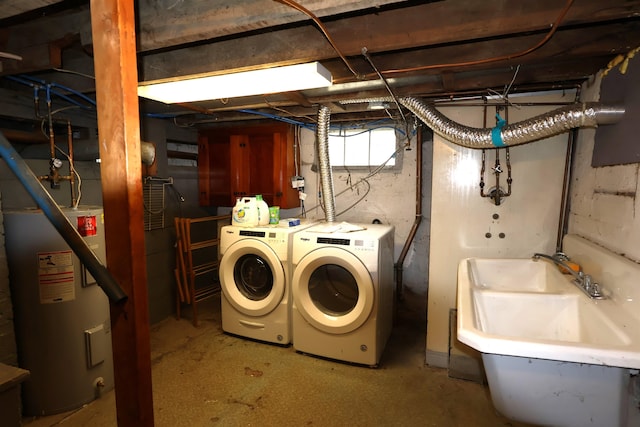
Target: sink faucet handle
<point>561,256</point>
<point>595,290</point>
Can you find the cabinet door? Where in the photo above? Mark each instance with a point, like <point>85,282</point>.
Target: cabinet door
<point>262,167</point>
<point>240,166</point>
<point>235,162</point>
<point>284,168</point>
<point>214,170</point>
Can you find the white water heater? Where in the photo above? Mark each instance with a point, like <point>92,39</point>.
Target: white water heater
<point>62,321</point>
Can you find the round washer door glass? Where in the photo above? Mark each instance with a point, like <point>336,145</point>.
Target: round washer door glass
<point>333,290</point>
<point>253,277</point>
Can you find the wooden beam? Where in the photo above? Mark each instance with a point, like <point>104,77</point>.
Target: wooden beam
<point>423,26</point>
<point>119,140</point>
<point>570,44</point>
<point>298,98</point>
<point>40,57</point>
<point>180,24</point>
<point>24,6</point>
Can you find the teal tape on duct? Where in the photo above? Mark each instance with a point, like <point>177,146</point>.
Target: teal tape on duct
<point>496,132</point>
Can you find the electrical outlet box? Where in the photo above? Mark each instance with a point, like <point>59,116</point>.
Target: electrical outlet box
<point>297,182</point>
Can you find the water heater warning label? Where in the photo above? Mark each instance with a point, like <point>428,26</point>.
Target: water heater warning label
<point>55,277</point>
<point>87,225</point>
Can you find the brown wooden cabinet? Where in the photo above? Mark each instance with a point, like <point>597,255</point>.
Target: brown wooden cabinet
<point>236,162</point>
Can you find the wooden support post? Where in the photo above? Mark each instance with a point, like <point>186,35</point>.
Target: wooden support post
<point>114,47</point>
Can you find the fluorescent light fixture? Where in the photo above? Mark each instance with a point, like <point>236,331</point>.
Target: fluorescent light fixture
<point>245,83</point>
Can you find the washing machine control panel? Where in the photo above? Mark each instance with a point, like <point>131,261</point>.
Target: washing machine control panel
<point>270,237</point>
<point>365,245</point>
<point>354,244</point>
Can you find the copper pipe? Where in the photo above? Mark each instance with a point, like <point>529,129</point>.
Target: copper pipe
<point>545,39</point>
<point>297,6</point>
<point>418,219</point>
<point>61,223</point>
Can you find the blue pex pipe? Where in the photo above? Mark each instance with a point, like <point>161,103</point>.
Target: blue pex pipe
<point>61,223</point>
<point>49,88</point>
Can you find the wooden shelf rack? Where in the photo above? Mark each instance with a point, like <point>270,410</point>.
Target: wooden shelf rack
<point>197,260</point>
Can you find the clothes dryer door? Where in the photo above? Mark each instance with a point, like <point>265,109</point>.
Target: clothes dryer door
<point>333,290</point>
<point>252,277</point>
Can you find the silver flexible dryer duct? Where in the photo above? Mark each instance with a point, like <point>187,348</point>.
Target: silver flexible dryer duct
<point>589,114</point>
<point>326,177</point>
<point>543,126</point>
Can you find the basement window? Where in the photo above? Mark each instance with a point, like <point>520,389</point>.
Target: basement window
<point>363,148</point>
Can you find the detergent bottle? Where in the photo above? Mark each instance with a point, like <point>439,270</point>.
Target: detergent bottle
<point>245,212</point>
<point>263,210</point>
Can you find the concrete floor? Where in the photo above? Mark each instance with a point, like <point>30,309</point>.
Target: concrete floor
<point>204,377</point>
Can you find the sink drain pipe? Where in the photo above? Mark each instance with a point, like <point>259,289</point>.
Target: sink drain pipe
<point>399,266</point>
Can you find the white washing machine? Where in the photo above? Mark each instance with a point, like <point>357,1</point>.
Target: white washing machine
<point>343,292</point>
<point>255,277</point>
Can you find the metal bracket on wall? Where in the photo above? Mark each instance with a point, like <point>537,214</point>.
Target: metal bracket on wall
<point>154,202</point>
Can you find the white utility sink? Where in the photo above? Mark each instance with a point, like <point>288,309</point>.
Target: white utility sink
<point>561,318</point>
<point>515,275</point>
<point>522,307</point>
<point>553,355</point>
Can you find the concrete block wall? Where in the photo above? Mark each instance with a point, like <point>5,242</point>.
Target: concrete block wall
<point>390,197</point>
<point>605,207</point>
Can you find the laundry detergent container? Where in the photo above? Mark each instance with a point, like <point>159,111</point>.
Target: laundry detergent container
<point>245,212</point>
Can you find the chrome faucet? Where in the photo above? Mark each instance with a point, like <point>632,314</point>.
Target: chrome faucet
<point>583,281</point>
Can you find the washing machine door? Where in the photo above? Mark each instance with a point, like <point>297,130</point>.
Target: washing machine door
<point>333,290</point>
<point>252,277</point>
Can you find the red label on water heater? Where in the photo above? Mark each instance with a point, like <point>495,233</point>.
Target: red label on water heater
<point>87,225</point>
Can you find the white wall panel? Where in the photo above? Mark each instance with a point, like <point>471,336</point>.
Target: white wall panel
<point>461,219</point>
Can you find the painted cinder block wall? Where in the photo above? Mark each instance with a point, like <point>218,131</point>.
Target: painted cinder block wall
<point>389,197</point>
<point>605,207</point>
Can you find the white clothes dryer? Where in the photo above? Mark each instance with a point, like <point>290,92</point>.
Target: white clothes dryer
<point>255,281</point>
<point>343,292</point>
